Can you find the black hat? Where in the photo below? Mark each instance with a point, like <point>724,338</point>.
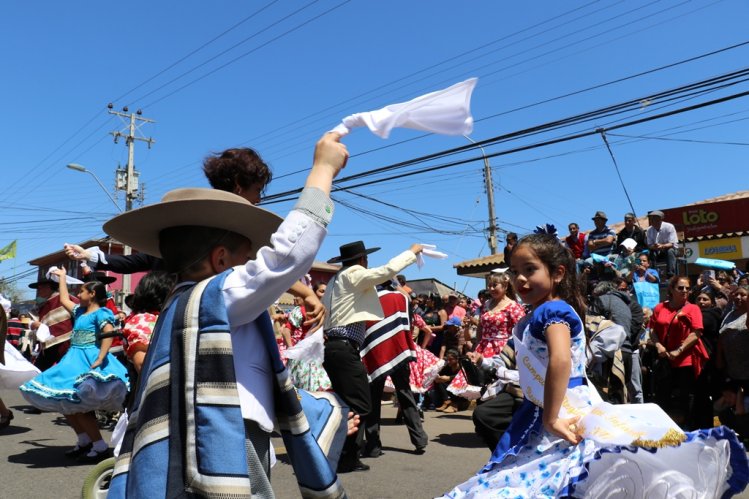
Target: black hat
<point>352,251</point>
<point>100,277</point>
<point>43,281</point>
<point>600,214</point>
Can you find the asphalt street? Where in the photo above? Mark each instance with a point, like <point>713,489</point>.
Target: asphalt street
<point>32,464</point>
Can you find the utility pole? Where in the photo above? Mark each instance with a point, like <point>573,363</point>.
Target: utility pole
<point>490,199</point>
<point>127,179</point>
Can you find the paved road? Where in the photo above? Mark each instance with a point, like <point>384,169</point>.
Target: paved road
<point>32,464</point>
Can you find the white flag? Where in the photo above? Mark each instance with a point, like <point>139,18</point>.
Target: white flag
<point>447,112</point>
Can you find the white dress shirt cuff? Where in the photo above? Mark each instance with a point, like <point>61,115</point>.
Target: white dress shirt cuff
<point>313,202</point>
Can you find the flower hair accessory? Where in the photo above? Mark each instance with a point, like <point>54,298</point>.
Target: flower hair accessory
<point>546,229</point>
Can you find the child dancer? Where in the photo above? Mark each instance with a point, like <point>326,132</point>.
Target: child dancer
<point>87,378</point>
<point>563,440</point>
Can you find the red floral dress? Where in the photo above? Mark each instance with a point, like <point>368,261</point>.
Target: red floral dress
<point>137,331</point>
<point>496,328</point>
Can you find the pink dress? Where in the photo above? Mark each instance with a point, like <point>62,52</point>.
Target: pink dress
<point>496,328</point>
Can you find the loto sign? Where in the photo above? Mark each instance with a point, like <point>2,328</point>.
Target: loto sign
<point>710,218</point>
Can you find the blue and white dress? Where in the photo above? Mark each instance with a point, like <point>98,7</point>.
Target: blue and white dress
<point>659,460</point>
<point>71,386</point>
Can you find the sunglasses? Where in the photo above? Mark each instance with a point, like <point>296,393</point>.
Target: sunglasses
<point>682,288</point>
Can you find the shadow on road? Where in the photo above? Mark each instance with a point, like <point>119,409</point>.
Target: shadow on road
<point>467,440</point>
<point>14,430</point>
<point>44,456</point>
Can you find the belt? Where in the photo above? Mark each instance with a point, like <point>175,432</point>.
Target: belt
<point>342,338</point>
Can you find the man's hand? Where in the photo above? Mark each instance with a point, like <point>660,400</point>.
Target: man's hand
<point>416,248</point>
<point>331,153</point>
<point>315,312</point>
<point>75,252</point>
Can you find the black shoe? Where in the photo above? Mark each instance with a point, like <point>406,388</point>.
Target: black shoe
<point>78,451</point>
<point>97,457</point>
<point>5,420</point>
<point>421,415</point>
<point>373,453</point>
<point>420,450</point>
<point>348,468</point>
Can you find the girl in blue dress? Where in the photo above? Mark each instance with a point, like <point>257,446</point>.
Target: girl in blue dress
<point>564,441</point>
<point>88,377</point>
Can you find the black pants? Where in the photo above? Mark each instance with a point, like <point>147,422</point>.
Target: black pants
<point>492,417</point>
<point>400,377</point>
<point>49,357</point>
<point>349,380</point>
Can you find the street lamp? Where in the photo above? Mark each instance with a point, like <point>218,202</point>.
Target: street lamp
<point>81,168</point>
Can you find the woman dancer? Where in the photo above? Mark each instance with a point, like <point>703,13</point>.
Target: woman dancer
<point>498,317</point>
<point>87,378</point>
<point>563,440</point>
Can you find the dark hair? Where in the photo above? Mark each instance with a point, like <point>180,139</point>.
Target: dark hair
<point>14,312</point>
<point>618,281</point>
<point>316,286</point>
<point>511,236</point>
<point>549,249</point>
<point>184,248</point>
<point>99,290</point>
<point>241,167</point>
<point>571,224</point>
<point>152,291</point>
<point>704,291</point>
<point>453,352</point>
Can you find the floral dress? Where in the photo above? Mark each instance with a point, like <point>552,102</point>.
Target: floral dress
<point>530,462</point>
<point>137,332</point>
<point>496,328</point>
<point>71,386</point>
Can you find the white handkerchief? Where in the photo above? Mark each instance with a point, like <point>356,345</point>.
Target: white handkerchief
<point>447,112</point>
<point>429,250</point>
<point>68,279</point>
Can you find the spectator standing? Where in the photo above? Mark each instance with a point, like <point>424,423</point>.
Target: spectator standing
<point>511,240</point>
<point>633,231</point>
<point>453,309</point>
<point>662,241</point>
<point>575,241</point>
<point>733,345</point>
<point>498,316</point>
<point>677,326</point>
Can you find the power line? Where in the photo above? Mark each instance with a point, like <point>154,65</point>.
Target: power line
<point>232,61</point>
<point>277,198</point>
<point>196,50</point>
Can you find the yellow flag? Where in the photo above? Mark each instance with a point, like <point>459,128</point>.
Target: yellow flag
<point>9,251</point>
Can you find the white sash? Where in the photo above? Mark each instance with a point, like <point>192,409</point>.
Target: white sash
<point>644,425</point>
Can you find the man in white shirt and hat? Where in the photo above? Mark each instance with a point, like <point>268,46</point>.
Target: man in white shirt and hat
<point>351,299</point>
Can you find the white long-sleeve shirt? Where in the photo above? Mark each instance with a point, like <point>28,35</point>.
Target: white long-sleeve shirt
<point>250,289</point>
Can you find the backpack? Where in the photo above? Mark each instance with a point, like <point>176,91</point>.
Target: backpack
<point>605,364</point>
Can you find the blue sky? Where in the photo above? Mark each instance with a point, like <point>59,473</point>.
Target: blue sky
<point>279,79</point>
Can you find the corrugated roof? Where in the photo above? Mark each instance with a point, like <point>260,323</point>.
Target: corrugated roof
<point>494,260</point>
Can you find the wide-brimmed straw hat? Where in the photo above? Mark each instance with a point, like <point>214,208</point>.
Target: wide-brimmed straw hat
<point>352,251</point>
<point>197,207</point>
